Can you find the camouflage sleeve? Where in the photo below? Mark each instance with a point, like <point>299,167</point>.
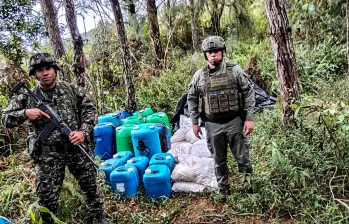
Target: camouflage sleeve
<point>193,99</point>
<point>14,114</point>
<point>247,94</point>
<point>87,109</point>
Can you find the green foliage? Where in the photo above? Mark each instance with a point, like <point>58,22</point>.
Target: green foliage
<point>241,51</point>
<point>18,27</point>
<point>306,14</point>
<point>325,60</point>
<point>301,172</point>
<point>162,93</point>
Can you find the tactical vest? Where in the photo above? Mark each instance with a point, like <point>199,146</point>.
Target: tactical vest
<point>221,99</point>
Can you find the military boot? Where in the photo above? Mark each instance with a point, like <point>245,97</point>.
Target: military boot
<point>46,218</point>
<point>224,192</point>
<point>100,219</point>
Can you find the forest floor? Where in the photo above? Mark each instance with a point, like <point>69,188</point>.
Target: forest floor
<point>180,208</point>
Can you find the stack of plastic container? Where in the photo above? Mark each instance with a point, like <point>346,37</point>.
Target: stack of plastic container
<point>118,159</point>
<point>104,133</point>
<point>147,141</point>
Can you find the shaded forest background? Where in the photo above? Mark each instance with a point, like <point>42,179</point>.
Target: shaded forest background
<point>301,168</point>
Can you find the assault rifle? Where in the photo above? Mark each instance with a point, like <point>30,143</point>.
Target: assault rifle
<point>55,121</point>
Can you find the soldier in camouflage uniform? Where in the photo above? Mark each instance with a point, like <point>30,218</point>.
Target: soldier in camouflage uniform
<point>221,95</point>
<point>52,155</point>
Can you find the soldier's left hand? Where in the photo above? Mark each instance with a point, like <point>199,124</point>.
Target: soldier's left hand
<point>76,137</point>
<point>248,127</point>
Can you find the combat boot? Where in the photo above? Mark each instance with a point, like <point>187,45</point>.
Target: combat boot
<point>224,192</point>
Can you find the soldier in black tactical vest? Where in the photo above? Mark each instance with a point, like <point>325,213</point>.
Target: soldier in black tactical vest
<point>221,95</point>
<point>52,155</point>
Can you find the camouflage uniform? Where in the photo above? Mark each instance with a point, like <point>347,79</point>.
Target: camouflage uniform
<point>55,153</point>
<point>224,98</point>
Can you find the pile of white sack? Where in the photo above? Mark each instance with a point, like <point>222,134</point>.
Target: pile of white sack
<point>194,169</point>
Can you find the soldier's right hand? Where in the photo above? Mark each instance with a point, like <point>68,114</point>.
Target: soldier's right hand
<point>197,131</point>
<point>35,113</point>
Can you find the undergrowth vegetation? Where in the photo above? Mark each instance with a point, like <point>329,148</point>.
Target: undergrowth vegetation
<point>300,171</point>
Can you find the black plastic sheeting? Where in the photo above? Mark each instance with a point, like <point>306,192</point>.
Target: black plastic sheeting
<point>263,100</point>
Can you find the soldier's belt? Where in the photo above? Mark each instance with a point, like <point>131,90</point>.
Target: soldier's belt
<point>54,148</point>
<point>222,118</point>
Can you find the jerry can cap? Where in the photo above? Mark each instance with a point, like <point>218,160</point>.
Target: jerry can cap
<point>151,127</point>
<point>168,158</point>
<point>148,171</point>
<point>130,169</point>
<point>103,164</point>
<point>129,161</point>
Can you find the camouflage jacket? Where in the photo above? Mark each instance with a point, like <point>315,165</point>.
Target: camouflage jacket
<point>70,102</point>
<point>197,90</point>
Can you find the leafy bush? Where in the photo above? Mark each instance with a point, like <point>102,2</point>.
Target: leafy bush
<point>326,60</point>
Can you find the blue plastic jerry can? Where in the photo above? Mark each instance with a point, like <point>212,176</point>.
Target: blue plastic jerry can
<point>165,137</point>
<point>141,163</point>
<point>4,220</point>
<point>157,181</point>
<point>125,180</point>
<point>115,118</point>
<point>145,140</point>
<point>163,158</point>
<point>119,159</point>
<point>104,136</point>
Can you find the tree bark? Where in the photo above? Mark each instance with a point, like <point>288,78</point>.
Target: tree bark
<point>155,33</point>
<point>282,43</point>
<point>347,12</point>
<point>194,28</point>
<point>132,17</point>
<point>78,44</point>
<point>128,78</point>
<point>216,14</point>
<point>54,35</point>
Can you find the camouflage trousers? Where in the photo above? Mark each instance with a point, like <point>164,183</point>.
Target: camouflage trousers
<point>218,138</point>
<point>50,175</point>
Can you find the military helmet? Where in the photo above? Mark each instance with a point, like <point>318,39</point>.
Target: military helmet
<point>213,43</point>
<point>40,60</point>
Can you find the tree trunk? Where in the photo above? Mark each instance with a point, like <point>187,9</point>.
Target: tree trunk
<point>347,12</point>
<point>194,28</point>
<point>155,33</point>
<point>217,11</point>
<point>54,35</point>
<point>132,17</point>
<point>281,38</point>
<point>130,90</point>
<point>79,56</point>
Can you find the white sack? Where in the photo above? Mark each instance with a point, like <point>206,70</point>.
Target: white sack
<point>179,135</point>
<point>180,148</point>
<point>185,122</point>
<point>190,136</point>
<point>187,187</point>
<point>195,169</point>
<point>200,149</point>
